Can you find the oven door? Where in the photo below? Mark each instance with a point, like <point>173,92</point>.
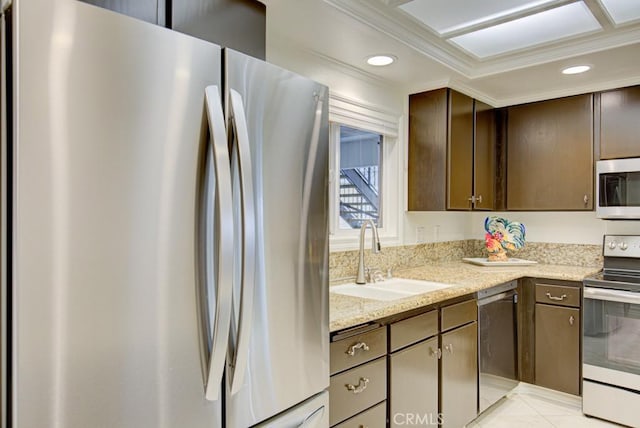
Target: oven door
<point>611,337</point>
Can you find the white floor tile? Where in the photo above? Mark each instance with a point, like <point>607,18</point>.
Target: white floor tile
<point>550,407</point>
<point>513,405</point>
<point>578,422</point>
<point>529,406</point>
<point>497,420</point>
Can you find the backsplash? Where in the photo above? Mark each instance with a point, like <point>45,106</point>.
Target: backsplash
<point>343,265</point>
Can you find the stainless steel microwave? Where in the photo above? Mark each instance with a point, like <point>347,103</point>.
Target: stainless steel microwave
<point>618,189</point>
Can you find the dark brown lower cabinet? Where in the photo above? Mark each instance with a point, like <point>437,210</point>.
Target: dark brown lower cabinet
<point>557,356</point>
<point>460,376</point>
<point>413,383</point>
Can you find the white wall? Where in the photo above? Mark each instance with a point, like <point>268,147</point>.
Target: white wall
<point>435,226</point>
<point>558,227</point>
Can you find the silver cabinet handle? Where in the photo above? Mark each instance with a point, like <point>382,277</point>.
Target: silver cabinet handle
<point>222,233</point>
<point>238,363</point>
<point>571,320</point>
<point>361,386</point>
<point>353,348</point>
<point>559,299</point>
<point>449,348</point>
<point>437,353</point>
<point>475,199</point>
<point>586,199</point>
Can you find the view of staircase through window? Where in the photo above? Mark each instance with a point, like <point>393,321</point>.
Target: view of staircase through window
<point>360,170</point>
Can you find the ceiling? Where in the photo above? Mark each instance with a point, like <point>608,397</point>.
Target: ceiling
<point>502,52</point>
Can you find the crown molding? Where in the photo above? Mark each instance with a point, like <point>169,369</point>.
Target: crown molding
<point>576,90</point>
<point>351,70</point>
<point>281,40</point>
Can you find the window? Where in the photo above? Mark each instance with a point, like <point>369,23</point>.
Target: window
<point>360,169</point>
<point>365,173</point>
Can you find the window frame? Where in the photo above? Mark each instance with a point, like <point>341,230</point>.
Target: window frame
<point>343,111</point>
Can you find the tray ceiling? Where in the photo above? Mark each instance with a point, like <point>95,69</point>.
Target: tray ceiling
<point>476,41</point>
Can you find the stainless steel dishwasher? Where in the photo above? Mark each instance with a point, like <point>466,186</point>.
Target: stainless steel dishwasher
<point>497,343</point>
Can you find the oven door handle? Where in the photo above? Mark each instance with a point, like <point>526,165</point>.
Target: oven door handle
<point>611,295</point>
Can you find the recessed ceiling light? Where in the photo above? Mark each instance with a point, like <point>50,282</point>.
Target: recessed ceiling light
<point>380,60</point>
<point>576,69</point>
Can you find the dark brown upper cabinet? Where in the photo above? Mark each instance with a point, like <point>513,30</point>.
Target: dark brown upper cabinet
<point>550,155</point>
<point>146,10</point>
<point>452,156</point>
<point>620,123</point>
<point>236,24</point>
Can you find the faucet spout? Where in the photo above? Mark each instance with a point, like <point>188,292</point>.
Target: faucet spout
<point>375,248</point>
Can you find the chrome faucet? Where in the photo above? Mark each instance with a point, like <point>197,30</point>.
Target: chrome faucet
<point>375,248</point>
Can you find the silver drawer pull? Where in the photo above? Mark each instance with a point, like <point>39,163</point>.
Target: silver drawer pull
<point>560,299</point>
<point>353,348</point>
<point>437,353</point>
<point>361,386</point>
<point>571,320</point>
<point>449,348</point>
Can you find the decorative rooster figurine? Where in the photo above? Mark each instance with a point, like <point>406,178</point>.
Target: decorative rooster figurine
<point>502,235</point>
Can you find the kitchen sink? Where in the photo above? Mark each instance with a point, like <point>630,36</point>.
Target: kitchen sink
<point>390,289</point>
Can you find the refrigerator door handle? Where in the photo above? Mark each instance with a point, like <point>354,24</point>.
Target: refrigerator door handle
<point>238,360</point>
<point>306,192</point>
<point>222,231</point>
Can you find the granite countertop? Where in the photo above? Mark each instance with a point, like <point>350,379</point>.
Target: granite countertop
<point>347,311</point>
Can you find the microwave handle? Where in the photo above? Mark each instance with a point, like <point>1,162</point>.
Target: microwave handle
<point>611,295</point>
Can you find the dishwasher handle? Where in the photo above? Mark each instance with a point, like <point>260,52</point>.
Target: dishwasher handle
<point>511,295</point>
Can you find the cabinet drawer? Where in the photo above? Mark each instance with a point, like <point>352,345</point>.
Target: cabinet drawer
<point>459,314</point>
<point>558,295</point>
<point>358,389</point>
<point>355,350</point>
<point>375,417</point>
<point>413,330</point>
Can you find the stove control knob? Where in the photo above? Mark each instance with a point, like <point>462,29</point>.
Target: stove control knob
<point>612,245</point>
<point>623,246</point>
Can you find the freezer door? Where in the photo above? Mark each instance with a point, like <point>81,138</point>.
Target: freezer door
<point>110,147</point>
<point>313,413</point>
<point>279,351</point>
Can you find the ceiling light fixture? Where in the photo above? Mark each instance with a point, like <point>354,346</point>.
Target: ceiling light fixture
<point>576,69</point>
<point>380,60</point>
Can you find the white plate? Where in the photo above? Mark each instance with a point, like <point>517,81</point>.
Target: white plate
<point>483,261</point>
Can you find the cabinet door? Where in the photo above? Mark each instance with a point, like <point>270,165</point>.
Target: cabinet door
<point>427,172</point>
<point>460,376</point>
<point>147,10</point>
<point>550,155</point>
<point>236,24</point>
<point>460,152</point>
<point>413,379</point>
<point>484,157</point>
<point>557,348</point>
<point>619,124</point>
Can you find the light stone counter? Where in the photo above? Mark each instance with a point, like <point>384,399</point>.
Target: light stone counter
<point>347,311</point>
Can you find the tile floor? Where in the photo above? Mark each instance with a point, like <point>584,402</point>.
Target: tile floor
<point>529,406</point>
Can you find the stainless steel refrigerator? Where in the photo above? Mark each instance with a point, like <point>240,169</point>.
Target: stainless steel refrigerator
<point>164,229</point>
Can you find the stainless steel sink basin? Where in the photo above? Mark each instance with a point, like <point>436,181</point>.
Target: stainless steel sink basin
<point>390,289</point>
